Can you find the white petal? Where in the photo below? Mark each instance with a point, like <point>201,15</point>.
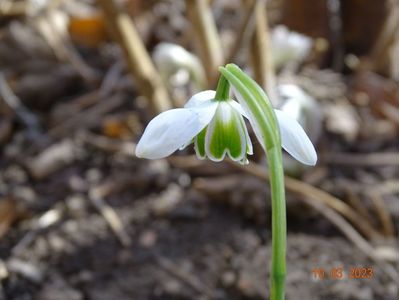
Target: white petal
<point>238,108</point>
<point>200,98</point>
<point>171,129</point>
<point>250,149</point>
<point>294,139</point>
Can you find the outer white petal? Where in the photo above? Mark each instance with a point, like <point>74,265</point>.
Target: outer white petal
<point>237,106</point>
<point>294,139</point>
<point>171,129</point>
<point>200,98</point>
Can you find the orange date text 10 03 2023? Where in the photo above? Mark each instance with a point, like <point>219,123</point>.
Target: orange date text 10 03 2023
<point>339,273</point>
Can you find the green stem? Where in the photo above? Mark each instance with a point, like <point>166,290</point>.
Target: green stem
<point>263,118</point>
<point>223,88</point>
<point>279,224</point>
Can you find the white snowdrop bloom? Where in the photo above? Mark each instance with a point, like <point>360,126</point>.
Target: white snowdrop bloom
<point>289,46</point>
<point>217,128</point>
<point>177,65</point>
<point>302,107</point>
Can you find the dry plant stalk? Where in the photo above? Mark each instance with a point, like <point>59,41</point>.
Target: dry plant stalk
<point>139,61</point>
<point>298,187</point>
<point>207,38</point>
<point>383,213</point>
<point>55,34</point>
<point>318,196</point>
<point>244,33</point>
<point>10,8</point>
<point>381,52</point>
<point>261,56</point>
<point>330,207</point>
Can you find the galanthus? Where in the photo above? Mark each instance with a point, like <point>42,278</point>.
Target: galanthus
<point>216,126</point>
<point>289,46</point>
<point>215,123</point>
<point>177,66</point>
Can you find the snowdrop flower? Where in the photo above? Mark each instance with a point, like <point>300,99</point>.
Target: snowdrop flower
<point>177,66</point>
<point>288,46</point>
<point>216,125</point>
<point>302,107</point>
<point>217,128</point>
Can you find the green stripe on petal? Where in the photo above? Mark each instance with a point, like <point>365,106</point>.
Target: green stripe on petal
<point>199,144</point>
<point>249,149</point>
<point>226,134</point>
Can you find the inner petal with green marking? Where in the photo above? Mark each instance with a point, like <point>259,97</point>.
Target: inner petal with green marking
<point>226,133</point>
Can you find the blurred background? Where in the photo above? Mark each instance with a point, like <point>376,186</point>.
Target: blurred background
<point>82,218</point>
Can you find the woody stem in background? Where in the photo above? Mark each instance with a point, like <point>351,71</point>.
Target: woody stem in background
<point>206,37</point>
<point>139,61</point>
<point>260,50</point>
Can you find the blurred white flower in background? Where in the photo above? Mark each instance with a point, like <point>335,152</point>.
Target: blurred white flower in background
<point>289,46</point>
<point>302,107</point>
<point>178,66</point>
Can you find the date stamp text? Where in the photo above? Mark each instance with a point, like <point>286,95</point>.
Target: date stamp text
<point>338,273</point>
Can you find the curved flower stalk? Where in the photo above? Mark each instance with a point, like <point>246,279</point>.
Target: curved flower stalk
<point>270,132</point>
<point>215,124</point>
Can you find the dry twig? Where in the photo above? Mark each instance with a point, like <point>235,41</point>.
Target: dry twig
<point>244,33</point>
<point>326,207</point>
<point>383,213</point>
<point>381,51</point>
<point>107,144</point>
<point>55,33</point>
<point>208,42</point>
<point>355,202</point>
<point>21,111</point>
<point>46,220</point>
<point>317,195</point>
<point>261,55</point>
<point>185,277</point>
<point>372,159</point>
<point>148,81</point>
<point>295,186</point>
<point>87,117</point>
<point>97,195</point>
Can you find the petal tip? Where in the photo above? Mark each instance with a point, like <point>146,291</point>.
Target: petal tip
<point>310,157</point>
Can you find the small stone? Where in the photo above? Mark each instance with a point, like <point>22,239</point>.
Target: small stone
<point>148,238</point>
<point>15,174</point>
<point>58,289</point>
<point>172,287</point>
<point>184,180</point>
<point>228,278</point>
<point>25,194</point>
<point>168,200</point>
<point>77,184</point>
<point>76,204</point>
<point>94,175</point>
